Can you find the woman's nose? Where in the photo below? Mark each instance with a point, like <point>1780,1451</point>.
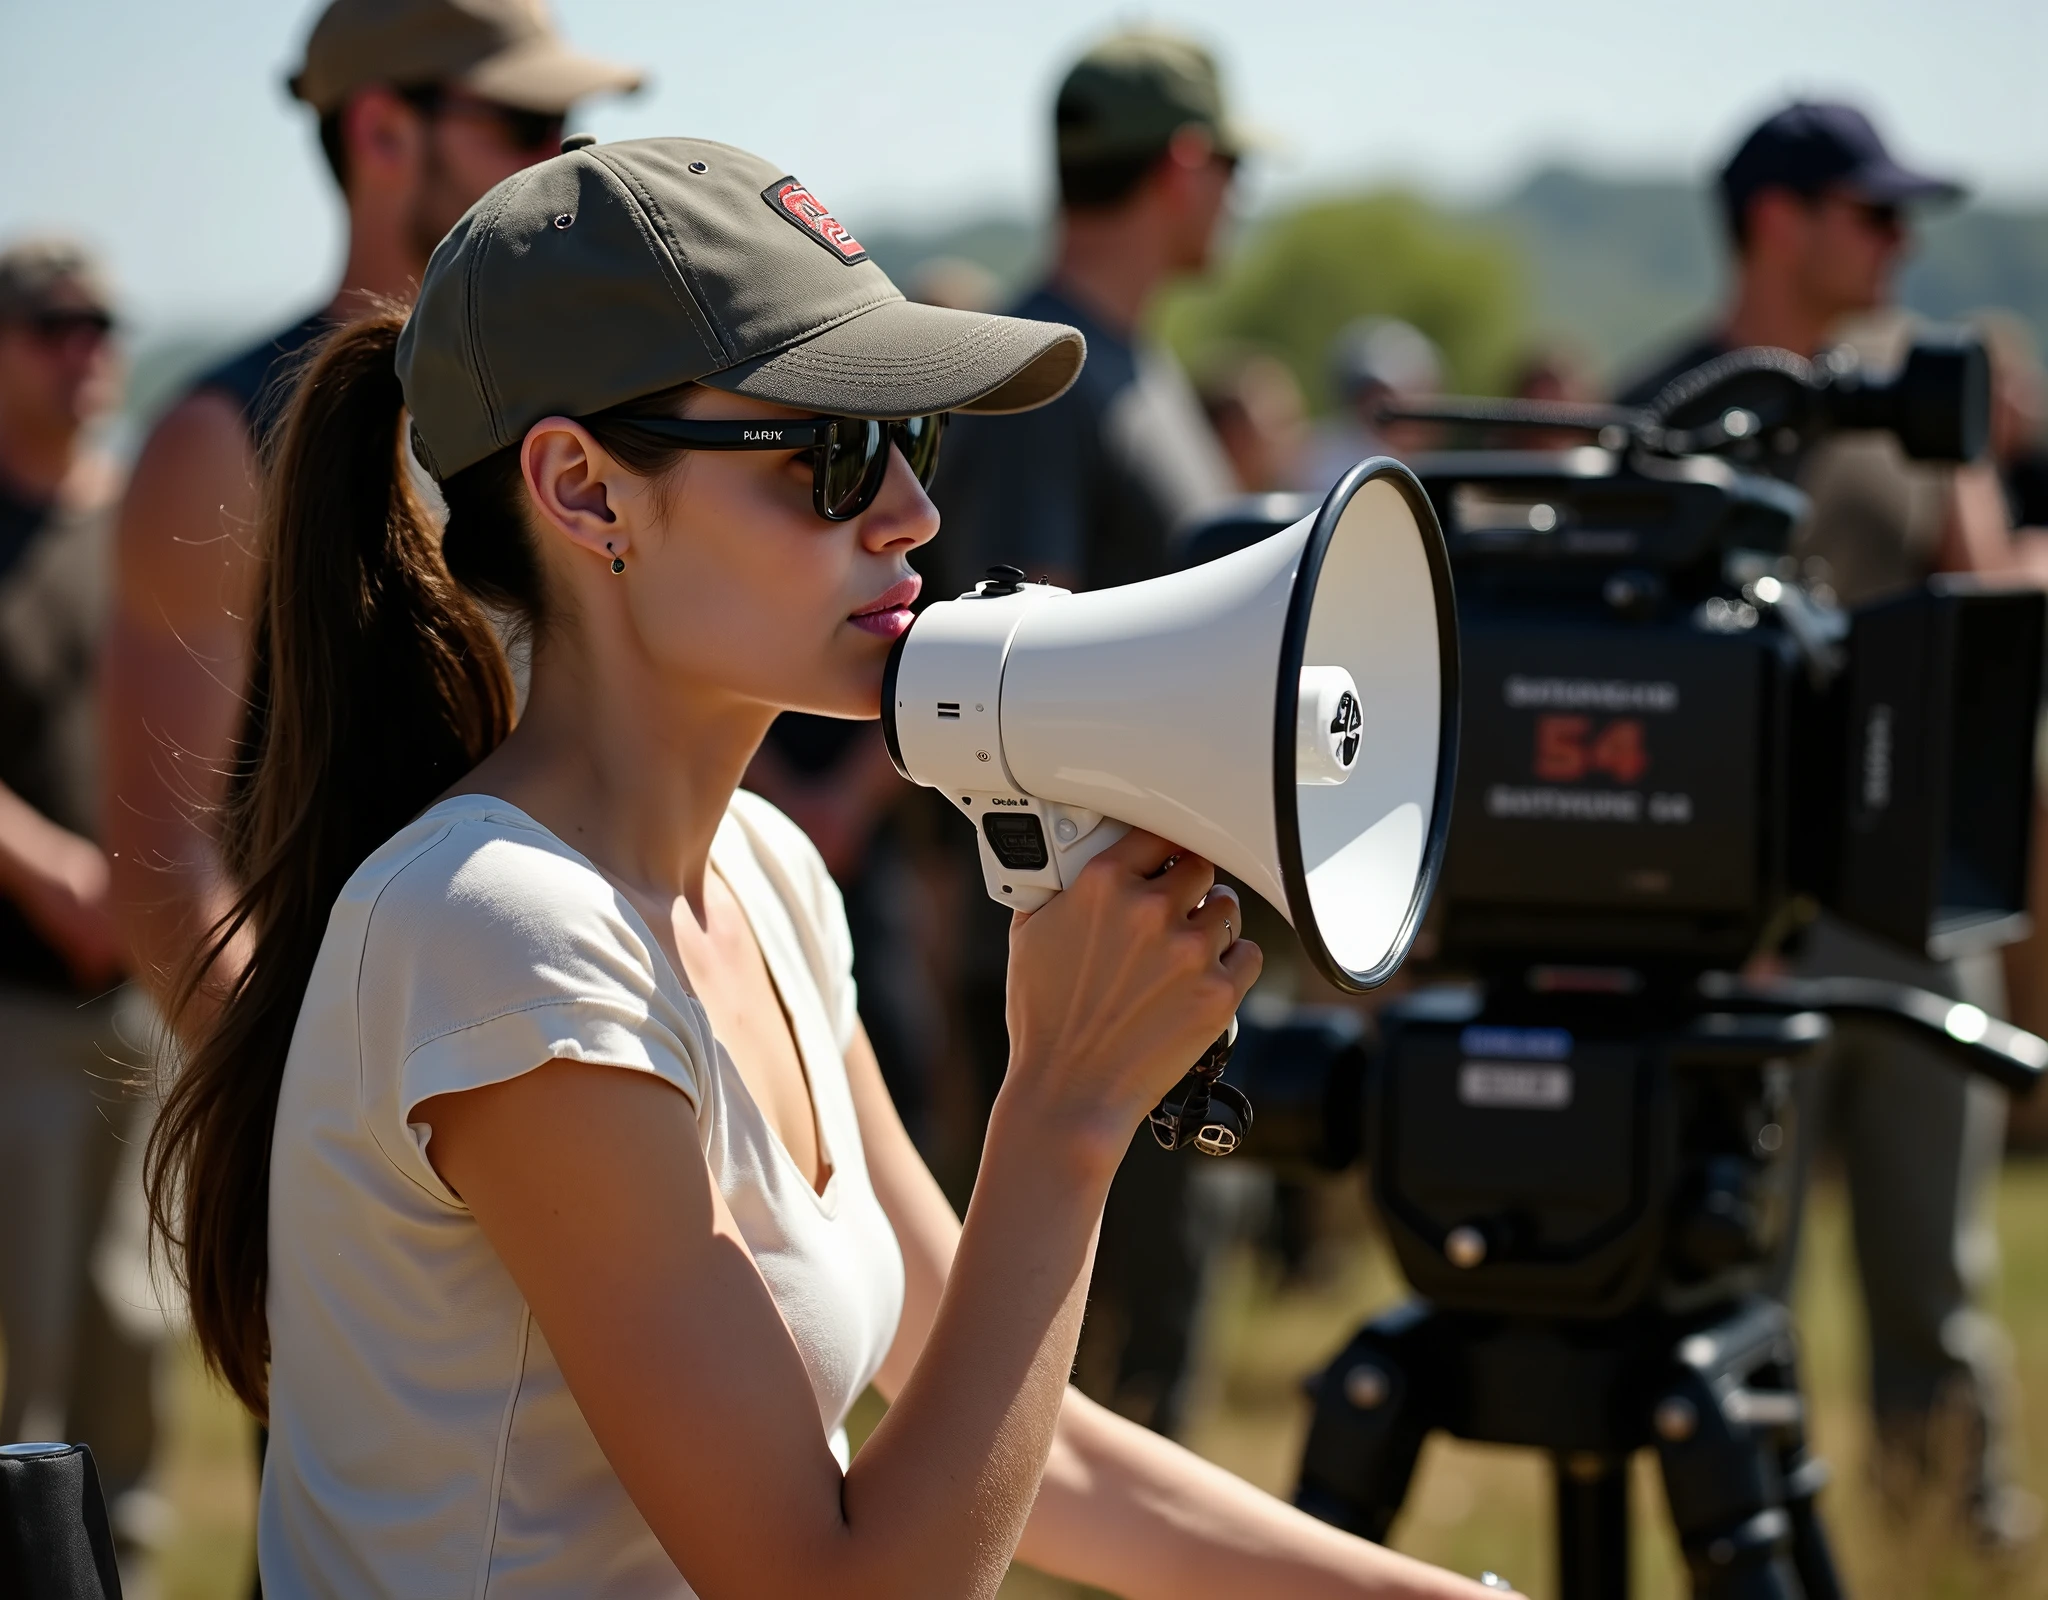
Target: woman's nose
<point>903,516</point>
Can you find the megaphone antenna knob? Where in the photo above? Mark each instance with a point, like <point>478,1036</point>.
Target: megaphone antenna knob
<point>1200,1111</point>
<point>999,581</point>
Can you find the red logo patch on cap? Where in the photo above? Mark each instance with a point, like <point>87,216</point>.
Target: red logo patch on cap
<point>805,210</point>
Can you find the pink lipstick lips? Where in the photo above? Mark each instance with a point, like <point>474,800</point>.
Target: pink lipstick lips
<point>888,614</point>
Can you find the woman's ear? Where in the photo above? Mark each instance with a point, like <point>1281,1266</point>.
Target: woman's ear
<point>575,485</point>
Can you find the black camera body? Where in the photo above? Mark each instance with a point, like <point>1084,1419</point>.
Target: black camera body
<point>1673,751</point>
<point>1583,1165</point>
<point>1556,1160</point>
<point>1666,738</point>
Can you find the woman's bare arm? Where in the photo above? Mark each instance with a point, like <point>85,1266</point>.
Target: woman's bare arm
<point>1120,1507</point>
<point>590,1184</point>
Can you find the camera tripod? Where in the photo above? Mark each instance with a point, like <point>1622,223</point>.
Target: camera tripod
<point>1589,1193</point>
<point>1716,1396</point>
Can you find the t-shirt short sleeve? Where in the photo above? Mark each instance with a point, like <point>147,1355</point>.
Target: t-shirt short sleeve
<point>817,911</point>
<point>493,951</point>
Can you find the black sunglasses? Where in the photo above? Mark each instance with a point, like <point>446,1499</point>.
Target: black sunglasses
<point>61,326</point>
<point>849,455</point>
<point>524,131</point>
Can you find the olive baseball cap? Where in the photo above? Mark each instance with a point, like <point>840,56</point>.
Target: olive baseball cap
<point>1133,92</point>
<point>502,50</point>
<point>612,271</point>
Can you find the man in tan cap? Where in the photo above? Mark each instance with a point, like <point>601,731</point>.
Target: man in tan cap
<point>423,105</point>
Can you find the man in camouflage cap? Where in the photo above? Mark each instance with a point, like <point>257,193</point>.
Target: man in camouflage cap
<point>1089,491</point>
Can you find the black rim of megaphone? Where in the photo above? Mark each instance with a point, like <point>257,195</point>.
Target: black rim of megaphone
<point>1293,644</point>
<point>889,738</point>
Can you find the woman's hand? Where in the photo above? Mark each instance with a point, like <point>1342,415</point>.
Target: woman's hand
<point>1116,988</point>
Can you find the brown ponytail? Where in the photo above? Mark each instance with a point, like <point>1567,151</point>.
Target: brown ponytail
<point>375,682</point>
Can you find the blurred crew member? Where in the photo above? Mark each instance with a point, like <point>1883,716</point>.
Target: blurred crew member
<point>72,1372</point>
<point>1815,208</point>
<point>1374,362</point>
<point>2019,450</point>
<point>1253,402</point>
<point>1816,214</point>
<point>2019,416</point>
<point>1547,373</point>
<point>422,106</point>
<point>1088,492</point>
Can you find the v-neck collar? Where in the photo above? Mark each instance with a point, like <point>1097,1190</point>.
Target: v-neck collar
<point>732,856</point>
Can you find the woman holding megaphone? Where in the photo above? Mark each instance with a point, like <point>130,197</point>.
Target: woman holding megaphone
<point>533,1175</point>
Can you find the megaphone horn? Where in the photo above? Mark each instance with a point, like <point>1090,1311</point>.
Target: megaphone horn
<point>1289,711</point>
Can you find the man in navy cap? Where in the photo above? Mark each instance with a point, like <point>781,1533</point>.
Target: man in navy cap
<point>1816,210</point>
<point>1817,213</point>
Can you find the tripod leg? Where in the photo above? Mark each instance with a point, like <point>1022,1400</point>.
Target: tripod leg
<point>1804,1475</point>
<point>1727,1498</point>
<point>1592,1526</point>
<point>1374,1405</point>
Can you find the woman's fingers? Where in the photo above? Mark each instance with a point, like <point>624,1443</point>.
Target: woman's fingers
<point>1185,880</point>
<point>1182,876</point>
<point>1140,853</point>
<point>1244,961</point>
<point>1121,982</point>
<point>1220,916</point>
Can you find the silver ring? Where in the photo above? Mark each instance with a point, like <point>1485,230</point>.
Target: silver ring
<point>1229,938</point>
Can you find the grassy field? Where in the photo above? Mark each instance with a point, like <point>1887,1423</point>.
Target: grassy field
<point>1472,1506</point>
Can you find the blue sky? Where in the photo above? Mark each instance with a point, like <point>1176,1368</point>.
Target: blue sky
<point>161,131</point>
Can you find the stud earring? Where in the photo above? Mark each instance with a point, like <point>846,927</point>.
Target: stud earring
<point>618,561</point>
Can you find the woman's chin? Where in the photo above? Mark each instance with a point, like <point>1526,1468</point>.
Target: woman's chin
<point>855,696</point>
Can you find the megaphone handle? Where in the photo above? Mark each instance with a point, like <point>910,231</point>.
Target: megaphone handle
<point>1189,1113</point>
<point>1031,849</point>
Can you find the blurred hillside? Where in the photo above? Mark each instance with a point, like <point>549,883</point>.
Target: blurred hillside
<point>1610,269</point>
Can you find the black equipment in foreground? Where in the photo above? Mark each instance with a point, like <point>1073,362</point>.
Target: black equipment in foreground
<point>55,1541</point>
<point>1673,750</point>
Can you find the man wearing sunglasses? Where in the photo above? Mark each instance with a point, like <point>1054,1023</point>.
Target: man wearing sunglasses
<point>1817,211</point>
<point>73,1370</point>
<point>422,106</point>
<point>1089,492</point>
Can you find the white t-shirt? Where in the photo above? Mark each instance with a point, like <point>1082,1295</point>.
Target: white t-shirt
<point>423,1442</point>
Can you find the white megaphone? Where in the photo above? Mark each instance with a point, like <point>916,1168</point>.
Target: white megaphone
<point>1289,711</point>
